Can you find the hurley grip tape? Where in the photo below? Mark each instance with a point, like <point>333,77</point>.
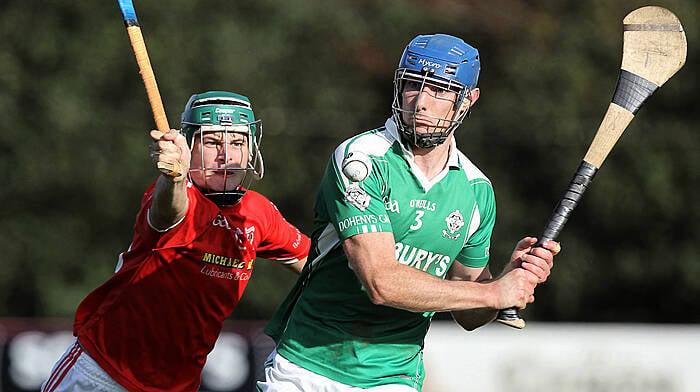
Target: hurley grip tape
<point>577,187</point>
<point>510,314</point>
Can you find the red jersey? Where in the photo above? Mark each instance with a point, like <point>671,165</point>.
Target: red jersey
<point>152,324</point>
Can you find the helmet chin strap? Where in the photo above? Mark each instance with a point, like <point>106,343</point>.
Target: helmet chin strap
<point>225,197</point>
<point>430,139</point>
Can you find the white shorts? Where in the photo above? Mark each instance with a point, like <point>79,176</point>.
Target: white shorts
<point>282,375</point>
<point>76,371</point>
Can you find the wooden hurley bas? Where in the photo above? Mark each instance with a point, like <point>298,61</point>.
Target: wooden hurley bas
<point>654,48</point>
<point>149,80</point>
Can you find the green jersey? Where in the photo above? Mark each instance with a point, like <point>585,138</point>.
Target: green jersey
<point>328,324</point>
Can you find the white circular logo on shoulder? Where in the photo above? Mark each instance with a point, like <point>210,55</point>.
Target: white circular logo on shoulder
<point>356,166</point>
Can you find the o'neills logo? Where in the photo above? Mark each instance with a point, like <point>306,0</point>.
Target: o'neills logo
<point>228,262</point>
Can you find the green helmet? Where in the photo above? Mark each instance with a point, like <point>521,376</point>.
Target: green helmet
<point>222,111</point>
<point>216,108</point>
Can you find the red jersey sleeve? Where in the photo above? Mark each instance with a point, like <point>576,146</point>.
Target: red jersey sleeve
<point>280,240</point>
<point>199,214</point>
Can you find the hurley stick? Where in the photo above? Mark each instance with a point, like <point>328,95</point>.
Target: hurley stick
<point>149,80</point>
<point>654,48</point>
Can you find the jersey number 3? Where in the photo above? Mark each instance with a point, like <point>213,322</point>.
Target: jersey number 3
<point>418,223</point>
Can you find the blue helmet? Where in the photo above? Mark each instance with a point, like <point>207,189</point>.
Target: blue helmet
<point>446,57</point>
<point>445,62</point>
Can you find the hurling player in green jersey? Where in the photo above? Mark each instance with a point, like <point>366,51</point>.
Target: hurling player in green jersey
<point>402,230</point>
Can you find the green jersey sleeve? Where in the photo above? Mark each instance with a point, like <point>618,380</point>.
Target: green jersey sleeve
<point>354,207</point>
<point>476,249</point>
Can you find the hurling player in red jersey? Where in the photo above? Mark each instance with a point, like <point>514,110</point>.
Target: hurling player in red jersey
<point>152,324</point>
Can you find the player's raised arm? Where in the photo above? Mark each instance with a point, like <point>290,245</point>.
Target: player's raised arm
<point>169,203</point>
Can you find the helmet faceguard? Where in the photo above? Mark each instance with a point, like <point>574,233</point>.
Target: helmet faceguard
<point>445,63</point>
<point>223,114</point>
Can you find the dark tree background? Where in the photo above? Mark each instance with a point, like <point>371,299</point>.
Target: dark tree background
<point>76,119</point>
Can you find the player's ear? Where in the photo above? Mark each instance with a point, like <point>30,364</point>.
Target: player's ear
<point>469,100</point>
<point>473,95</point>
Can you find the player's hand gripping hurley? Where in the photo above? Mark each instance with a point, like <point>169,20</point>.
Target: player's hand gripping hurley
<point>654,48</point>
<point>149,79</point>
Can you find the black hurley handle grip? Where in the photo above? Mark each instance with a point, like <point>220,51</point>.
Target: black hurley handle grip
<point>577,187</point>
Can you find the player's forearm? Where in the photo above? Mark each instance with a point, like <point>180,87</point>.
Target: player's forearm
<point>297,266</point>
<point>390,283</point>
<point>406,288</point>
<point>169,203</point>
<point>471,319</point>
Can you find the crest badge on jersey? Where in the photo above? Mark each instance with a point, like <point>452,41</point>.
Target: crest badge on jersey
<point>240,238</point>
<point>455,221</point>
<point>250,234</point>
<point>357,197</point>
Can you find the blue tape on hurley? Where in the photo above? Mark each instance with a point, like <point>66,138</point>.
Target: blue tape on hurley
<point>127,7</point>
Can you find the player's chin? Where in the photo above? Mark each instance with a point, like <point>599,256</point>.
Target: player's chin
<point>228,184</point>
<point>428,129</point>
<point>220,182</point>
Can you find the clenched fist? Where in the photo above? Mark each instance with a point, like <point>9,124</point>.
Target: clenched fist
<point>170,154</point>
